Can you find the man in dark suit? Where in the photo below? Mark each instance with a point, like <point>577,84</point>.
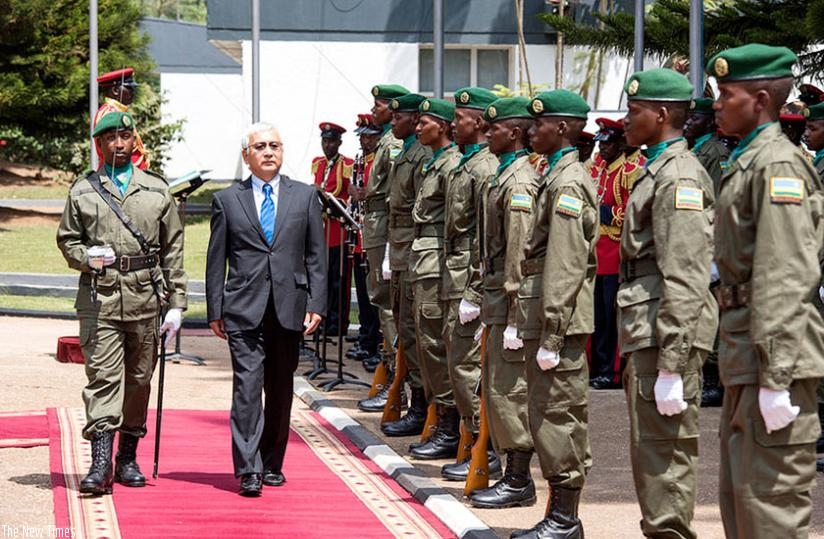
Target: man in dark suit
<point>270,231</point>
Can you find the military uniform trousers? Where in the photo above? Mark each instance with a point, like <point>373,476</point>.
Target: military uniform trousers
<point>663,449</point>
<point>463,355</point>
<point>404,314</point>
<point>120,360</point>
<point>558,414</point>
<point>505,394</point>
<point>765,479</point>
<point>429,322</point>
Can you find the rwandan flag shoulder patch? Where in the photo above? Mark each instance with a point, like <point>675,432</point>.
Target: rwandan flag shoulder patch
<point>394,153</point>
<point>569,205</point>
<point>520,202</point>
<point>689,198</point>
<point>786,190</point>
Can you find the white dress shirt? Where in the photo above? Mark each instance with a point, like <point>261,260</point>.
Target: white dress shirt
<point>257,191</point>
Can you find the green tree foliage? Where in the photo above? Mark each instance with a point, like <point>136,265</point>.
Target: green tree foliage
<point>797,24</point>
<point>181,10</point>
<point>44,78</point>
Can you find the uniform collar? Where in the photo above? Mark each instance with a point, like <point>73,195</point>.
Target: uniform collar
<point>746,141</point>
<point>700,142</point>
<point>758,138</point>
<point>553,159</point>
<point>819,155</point>
<point>673,148</point>
<point>509,158</point>
<point>653,152</point>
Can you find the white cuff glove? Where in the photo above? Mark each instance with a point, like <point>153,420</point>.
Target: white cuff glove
<point>511,340</point>
<point>547,360</point>
<point>669,393</point>
<point>480,332</point>
<point>386,273</point>
<point>99,256</point>
<point>171,325</point>
<point>776,408</point>
<point>821,292</point>
<point>468,311</point>
<point>714,275</point>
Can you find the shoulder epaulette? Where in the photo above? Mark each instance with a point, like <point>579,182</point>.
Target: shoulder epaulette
<point>156,175</point>
<point>316,164</point>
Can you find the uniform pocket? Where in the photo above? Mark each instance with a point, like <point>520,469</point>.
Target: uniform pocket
<point>654,427</point>
<point>637,312</point>
<point>780,457</point>
<point>530,307</point>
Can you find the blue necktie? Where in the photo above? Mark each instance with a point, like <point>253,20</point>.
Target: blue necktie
<point>267,213</point>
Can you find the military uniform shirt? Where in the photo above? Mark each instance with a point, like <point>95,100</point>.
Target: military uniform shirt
<point>404,182</point>
<point>375,221</point>
<point>713,155</point>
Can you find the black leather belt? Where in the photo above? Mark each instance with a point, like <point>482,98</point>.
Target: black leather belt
<point>732,296</point>
<point>134,263</point>
<point>491,265</point>
<point>532,266</point>
<point>633,269</point>
<point>373,205</point>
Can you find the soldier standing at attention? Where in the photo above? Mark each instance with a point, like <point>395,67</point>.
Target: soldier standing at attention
<point>768,239</point>
<point>667,315</point>
<point>333,172</point>
<point>426,266</point>
<point>508,217</point>
<point>120,294</point>
<point>376,229</point>
<point>118,89</point>
<point>404,183</point>
<point>462,282</point>
<point>555,308</point>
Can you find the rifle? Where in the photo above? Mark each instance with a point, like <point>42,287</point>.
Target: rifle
<point>431,423</point>
<point>392,410</point>
<point>380,377</point>
<point>160,378</point>
<point>464,445</point>
<point>478,476</point>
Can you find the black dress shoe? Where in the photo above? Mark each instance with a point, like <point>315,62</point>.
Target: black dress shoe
<point>272,478</point>
<point>603,382</point>
<point>351,338</point>
<point>355,352</point>
<point>250,485</point>
<point>370,364</point>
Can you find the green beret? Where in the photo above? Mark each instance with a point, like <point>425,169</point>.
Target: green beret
<point>439,108</point>
<point>816,112</point>
<point>406,103</point>
<point>507,108</point>
<point>473,97</point>
<point>559,103</point>
<point>702,105</point>
<point>114,120</point>
<point>752,61</point>
<point>388,91</point>
<point>660,84</point>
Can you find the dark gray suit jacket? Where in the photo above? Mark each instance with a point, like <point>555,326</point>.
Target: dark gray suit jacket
<point>292,270</point>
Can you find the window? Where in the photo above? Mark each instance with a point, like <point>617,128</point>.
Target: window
<point>464,66</point>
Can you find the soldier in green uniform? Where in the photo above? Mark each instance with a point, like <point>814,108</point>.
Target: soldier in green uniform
<point>376,229</point>
<point>462,282</point>
<point>507,220</point>
<point>814,138</point>
<point>667,315</point>
<point>768,240</point>
<point>119,295</point>
<point>555,309</point>
<point>426,266</point>
<point>404,182</point>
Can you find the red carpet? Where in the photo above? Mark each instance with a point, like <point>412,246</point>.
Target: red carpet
<point>332,489</point>
<point>23,429</point>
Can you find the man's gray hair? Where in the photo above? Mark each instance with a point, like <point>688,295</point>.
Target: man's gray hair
<point>259,127</point>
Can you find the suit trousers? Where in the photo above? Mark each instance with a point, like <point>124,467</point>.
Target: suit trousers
<point>663,449</point>
<point>558,412</point>
<point>337,323</point>
<point>605,337</point>
<point>264,360</point>
<point>464,357</point>
<point>120,360</point>
<point>765,479</point>
<point>381,297</point>
<point>369,337</point>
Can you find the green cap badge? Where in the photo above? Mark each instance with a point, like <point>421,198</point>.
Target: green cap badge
<point>559,103</point>
<point>752,61</point>
<point>122,121</point>
<point>506,108</point>
<point>473,97</point>
<point>407,103</point>
<point>660,84</point>
<point>439,108</point>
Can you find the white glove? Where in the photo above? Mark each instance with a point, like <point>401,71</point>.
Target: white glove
<point>480,332</point>
<point>821,292</point>
<point>669,393</point>
<point>386,273</point>
<point>171,324</point>
<point>468,311</point>
<point>547,360</point>
<point>776,408</point>
<point>511,340</point>
<point>99,256</point>
<point>714,275</point>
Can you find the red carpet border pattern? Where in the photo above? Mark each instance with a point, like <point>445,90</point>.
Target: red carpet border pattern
<point>23,429</point>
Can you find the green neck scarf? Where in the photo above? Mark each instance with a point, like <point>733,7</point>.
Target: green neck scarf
<point>742,146</point>
<point>507,159</point>
<point>700,142</point>
<point>553,159</point>
<point>652,152</point>
<point>468,151</point>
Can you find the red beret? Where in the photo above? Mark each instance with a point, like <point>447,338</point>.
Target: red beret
<point>810,94</point>
<point>586,136</point>
<point>329,129</point>
<point>792,118</point>
<point>609,128</point>
<point>113,78</point>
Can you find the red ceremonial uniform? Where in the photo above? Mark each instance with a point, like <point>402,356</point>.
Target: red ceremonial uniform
<point>335,182</point>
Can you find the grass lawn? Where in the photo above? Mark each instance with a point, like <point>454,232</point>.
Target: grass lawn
<point>66,305</point>
<point>58,191</point>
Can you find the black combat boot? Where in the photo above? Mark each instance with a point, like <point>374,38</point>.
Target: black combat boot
<point>712,394</point>
<point>126,470</point>
<point>562,522</point>
<point>443,444</point>
<point>514,489</point>
<point>412,423</point>
<point>99,479</point>
<point>378,402</point>
<point>459,470</point>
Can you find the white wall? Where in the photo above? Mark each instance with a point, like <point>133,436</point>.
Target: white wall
<point>212,107</point>
<point>305,83</point>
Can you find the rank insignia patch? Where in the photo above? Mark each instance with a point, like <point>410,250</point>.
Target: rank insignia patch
<point>689,198</point>
<point>520,202</point>
<point>786,190</point>
<point>569,205</point>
